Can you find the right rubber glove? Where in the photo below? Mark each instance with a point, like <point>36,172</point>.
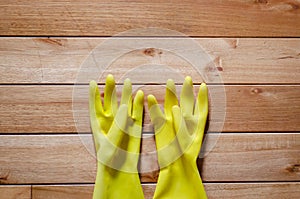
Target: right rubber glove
<point>117,132</point>
<point>178,136</point>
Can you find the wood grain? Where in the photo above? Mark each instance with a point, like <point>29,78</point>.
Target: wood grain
<point>105,18</point>
<point>31,159</point>
<point>60,60</point>
<point>253,190</point>
<point>49,109</point>
<point>15,191</point>
<point>62,191</point>
<point>255,50</point>
<point>213,190</point>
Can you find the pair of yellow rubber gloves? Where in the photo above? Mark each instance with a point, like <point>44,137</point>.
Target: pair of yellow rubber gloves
<point>117,131</point>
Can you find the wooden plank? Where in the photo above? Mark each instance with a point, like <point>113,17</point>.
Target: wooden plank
<point>253,190</point>
<point>31,159</point>
<point>15,192</point>
<point>49,109</point>
<point>237,60</point>
<point>276,190</point>
<point>106,18</point>
<point>62,191</point>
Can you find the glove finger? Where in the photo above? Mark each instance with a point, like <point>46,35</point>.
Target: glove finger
<point>170,98</point>
<point>138,106</point>
<point>95,109</point>
<point>110,98</point>
<point>176,113</point>
<point>187,97</point>
<point>201,108</point>
<point>136,123</point>
<point>171,144</point>
<point>182,133</point>
<point>127,95</point>
<point>112,151</point>
<point>123,143</point>
<point>95,103</point>
<point>119,126</point>
<point>156,115</point>
<point>202,100</point>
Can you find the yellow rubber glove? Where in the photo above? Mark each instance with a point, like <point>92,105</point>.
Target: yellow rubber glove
<point>117,131</point>
<point>178,136</point>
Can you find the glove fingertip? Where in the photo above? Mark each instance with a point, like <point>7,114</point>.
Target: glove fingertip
<point>203,94</point>
<point>93,83</point>
<point>171,89</point>
<point>126,92</point>
<point>110,79</point>
<point>127,82</point>
<point>109,83</point>
<point>93,86</point>
<point>170,83</point>
<point>138,105</point>
<point>188,80</point>
<point>203,88</point>
<point>202,101</point>
<point>138,101</point>
<point>151,101</point>
<point>139,97</point>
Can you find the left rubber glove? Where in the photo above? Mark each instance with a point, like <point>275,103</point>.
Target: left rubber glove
<point>117,136</point>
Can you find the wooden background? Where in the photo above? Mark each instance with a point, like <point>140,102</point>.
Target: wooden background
<point>44,42</point>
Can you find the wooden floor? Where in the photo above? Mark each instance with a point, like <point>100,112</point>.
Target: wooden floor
<point>254,45</point>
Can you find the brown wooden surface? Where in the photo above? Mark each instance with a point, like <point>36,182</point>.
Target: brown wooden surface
<point>31,159</point>
<point>254,46</point>
<point>238,60</point>
<point>289,190</point>
<point>194,18</point>
<point>48,109</point>
<point>214,190</point>
<point>62,191</point>
<point>15,192</point>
